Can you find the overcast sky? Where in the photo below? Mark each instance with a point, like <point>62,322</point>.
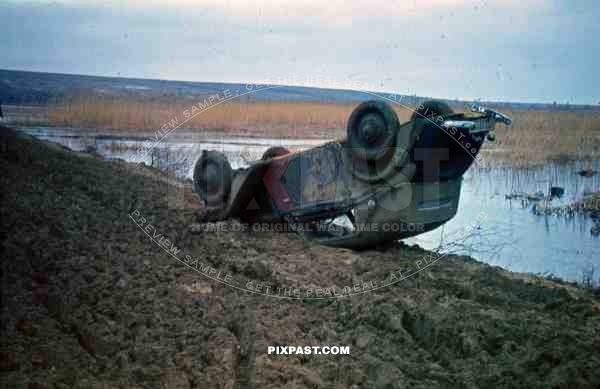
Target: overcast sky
<point>517,50</point>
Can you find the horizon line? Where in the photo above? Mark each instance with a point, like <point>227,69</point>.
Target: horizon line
<point>416,96</point>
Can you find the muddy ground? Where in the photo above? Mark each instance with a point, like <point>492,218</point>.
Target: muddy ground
<point>89,301</point>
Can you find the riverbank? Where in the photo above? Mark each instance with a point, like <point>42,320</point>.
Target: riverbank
<point>90,301</point>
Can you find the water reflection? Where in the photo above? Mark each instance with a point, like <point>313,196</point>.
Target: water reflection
<point>488,226</point>
<point>510,234</point>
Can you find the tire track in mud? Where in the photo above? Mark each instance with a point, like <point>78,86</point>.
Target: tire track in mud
<point>244,329</point>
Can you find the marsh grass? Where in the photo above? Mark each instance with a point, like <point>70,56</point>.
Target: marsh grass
<point>535,136</point>
<point>277,119</point>
<point>539,136</point>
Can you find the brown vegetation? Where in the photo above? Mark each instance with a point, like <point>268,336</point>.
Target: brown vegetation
<point>538,136</point>
<point>535,136</point>
<point>281,119</point>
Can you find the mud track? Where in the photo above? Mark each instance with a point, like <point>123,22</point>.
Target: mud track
<point>88,301</point>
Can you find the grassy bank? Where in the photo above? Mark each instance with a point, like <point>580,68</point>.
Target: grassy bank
<point>90,302</point>
<point>535,136</point>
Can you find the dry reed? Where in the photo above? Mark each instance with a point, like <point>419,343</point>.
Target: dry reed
<point>535,136</point>
<point>281,119</point>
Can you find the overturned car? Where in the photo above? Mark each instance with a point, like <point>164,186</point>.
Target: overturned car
<point>385,181</point>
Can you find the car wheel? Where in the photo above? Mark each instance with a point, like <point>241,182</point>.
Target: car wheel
<point>431,108</point>
<point>212,178</point>
<point>371,130</point>
<point>274,151</point>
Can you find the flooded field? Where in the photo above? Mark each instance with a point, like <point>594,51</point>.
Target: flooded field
<point>507,232</point>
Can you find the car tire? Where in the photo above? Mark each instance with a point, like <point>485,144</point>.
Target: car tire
<point>371,130</point>
<point>274,151</point>
<point>212,178</point>
<point>431,108</point>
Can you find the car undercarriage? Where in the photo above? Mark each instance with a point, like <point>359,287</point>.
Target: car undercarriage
<point>385,181</point>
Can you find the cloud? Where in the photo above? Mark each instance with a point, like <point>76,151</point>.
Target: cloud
<point>485,49</point>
